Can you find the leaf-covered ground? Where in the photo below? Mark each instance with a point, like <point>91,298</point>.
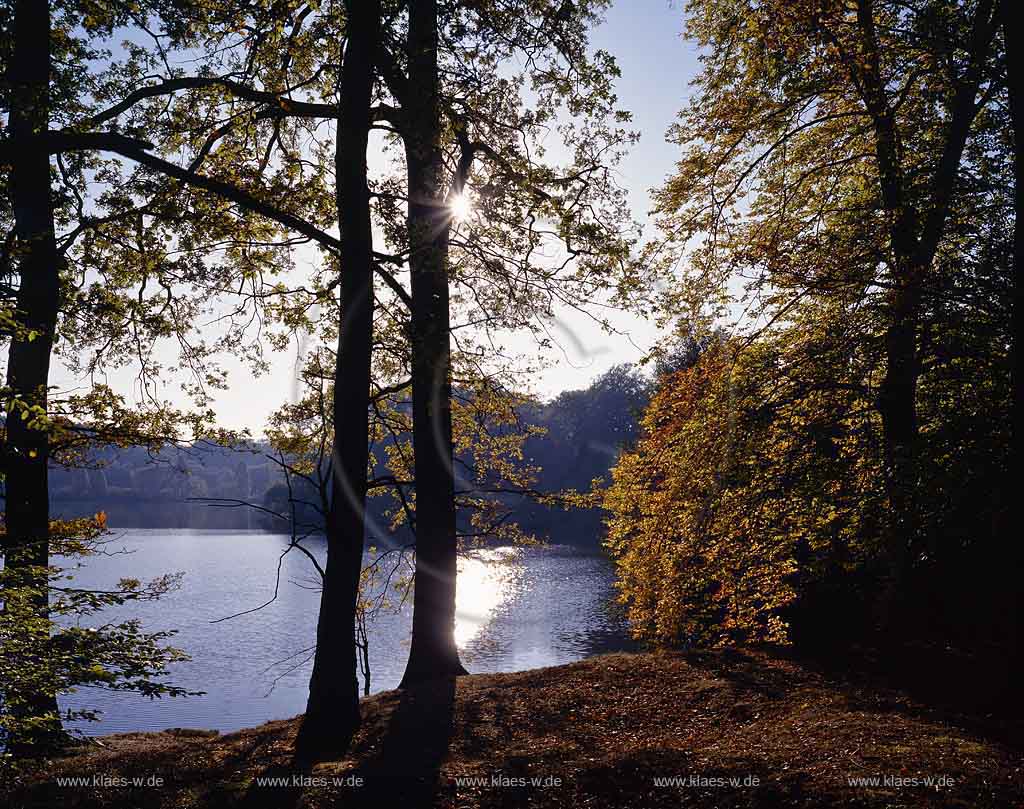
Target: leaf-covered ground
<point>740,729</point>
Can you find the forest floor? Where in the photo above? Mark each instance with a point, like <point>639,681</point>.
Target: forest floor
<point>735,729</point>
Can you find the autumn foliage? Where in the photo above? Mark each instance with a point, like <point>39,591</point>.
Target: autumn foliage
<point>734,501</point>
<point>841,463</point>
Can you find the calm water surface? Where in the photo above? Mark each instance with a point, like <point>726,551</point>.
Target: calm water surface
<point>517,608</point>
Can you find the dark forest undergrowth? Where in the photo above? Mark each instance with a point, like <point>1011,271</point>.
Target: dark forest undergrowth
<point>741,729</point>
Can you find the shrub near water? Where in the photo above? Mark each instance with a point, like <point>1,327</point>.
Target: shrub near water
<point>742,499</point>
<point>753,507</point>
<point>46,653</point>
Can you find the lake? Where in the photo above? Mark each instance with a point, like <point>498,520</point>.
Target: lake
<point>517,608</point>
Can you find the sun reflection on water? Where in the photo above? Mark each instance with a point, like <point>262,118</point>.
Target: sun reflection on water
<point>487,580</point>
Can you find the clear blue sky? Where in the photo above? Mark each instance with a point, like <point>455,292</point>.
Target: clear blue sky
<point>657,65</point>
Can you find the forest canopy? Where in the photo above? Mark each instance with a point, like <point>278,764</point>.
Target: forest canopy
<point>841,462</point>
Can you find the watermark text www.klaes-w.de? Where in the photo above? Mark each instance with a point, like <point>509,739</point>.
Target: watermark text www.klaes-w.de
<point>707,782</point>
<point>933,781</point>
<point>502,781</point>
<point>309,781</point>
<point>99,780</point>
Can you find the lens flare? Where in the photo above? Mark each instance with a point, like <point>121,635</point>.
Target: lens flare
<point>461,207</point>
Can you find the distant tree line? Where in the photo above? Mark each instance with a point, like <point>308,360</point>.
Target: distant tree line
<point>576,438</point>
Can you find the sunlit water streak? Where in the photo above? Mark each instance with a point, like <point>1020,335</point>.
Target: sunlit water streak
<point>516,608</point>
<point>487,579</point>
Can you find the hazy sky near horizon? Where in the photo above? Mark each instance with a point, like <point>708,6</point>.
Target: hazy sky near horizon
<point>645,36</point>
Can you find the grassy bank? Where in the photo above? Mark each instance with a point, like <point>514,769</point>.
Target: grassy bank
<point>744,729</point>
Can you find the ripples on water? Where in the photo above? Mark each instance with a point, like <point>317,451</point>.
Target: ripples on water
<point>517,608</point>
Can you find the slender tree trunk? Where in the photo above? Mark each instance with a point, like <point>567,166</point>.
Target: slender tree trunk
<point>897,400</point>
<point>1016,104</point>
<point>897,403</point>
<point>1016,555</point>
<point>332,712</point>
<point>27,506</point>
<point>433,653</point>
<point>898,408</point>
<point>915,236</point>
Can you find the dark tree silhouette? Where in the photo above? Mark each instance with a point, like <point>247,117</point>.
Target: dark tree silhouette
<point>332,712</point>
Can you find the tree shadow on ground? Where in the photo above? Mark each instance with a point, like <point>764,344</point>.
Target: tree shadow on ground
<point>274,788</point>
<point>405,772</point>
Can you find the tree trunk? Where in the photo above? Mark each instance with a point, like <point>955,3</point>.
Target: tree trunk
<point>332,712</point>
<point>1018,134</point>
<point>898,408</point>
<point>1016,102</point>
<point>27,506</point>
<point>897,397</point>
<point>1008,523</point>
<point>915,236</point>
<point>433,653</point>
